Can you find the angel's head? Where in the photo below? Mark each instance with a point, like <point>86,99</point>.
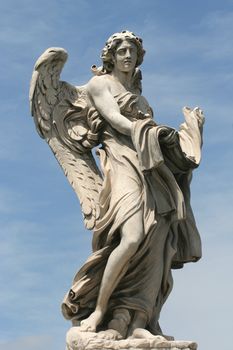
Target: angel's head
<point>116,41</point>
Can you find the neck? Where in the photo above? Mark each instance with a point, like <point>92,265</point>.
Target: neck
<point>125,78</point>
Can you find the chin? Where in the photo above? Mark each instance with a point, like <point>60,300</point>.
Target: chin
<point>127,69</point>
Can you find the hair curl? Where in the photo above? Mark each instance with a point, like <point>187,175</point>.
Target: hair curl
<point>113,42</point>
<point>108,53</point>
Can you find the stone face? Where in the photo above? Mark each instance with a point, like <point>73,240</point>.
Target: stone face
<point>77,340</point>
<point>138,203</point>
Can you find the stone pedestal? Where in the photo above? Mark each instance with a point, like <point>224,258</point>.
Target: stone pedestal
<point>77,340</point>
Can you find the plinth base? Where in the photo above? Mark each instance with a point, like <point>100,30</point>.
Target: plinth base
<point>77,340</point>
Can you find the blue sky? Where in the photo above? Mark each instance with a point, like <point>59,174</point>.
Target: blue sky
<point>43,240</point>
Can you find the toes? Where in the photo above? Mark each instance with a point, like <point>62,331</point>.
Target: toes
<point>85,327</point>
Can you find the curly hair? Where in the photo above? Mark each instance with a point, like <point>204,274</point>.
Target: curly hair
<point>113,42</point>
<point>108,53</point>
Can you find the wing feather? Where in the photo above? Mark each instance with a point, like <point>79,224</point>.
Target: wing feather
<point>60,112</point>
<point>45,88</point>
<point>78,167</point>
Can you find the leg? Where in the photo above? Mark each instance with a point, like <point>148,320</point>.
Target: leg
<point>118,326</point>
<point>137,329</point>
<point>139,321</point>
<point>132,233</point>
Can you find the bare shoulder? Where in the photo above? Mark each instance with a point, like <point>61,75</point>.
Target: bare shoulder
<point>98,84</point>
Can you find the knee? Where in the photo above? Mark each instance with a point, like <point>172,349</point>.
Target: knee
<point>132,247</point>
<point>131,243</point>
<point>132,233</point>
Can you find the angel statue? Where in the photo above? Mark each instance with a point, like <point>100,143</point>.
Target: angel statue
<point>138,204</point>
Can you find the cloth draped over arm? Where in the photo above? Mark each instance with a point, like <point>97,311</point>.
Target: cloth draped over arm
<point>160,150</point>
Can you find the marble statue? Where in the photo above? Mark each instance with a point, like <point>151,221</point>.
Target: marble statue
<point>137,204</point>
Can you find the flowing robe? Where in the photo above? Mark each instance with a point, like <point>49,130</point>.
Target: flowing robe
<point>148,172</point>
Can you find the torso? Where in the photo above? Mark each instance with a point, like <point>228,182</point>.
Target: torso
<point>141,108</point>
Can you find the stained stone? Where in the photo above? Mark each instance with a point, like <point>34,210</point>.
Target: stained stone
<point>77,340</point>
<point>137,204</point>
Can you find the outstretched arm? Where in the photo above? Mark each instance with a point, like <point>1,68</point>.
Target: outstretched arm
<point>100,93</point>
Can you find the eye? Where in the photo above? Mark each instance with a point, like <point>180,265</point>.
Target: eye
<point>121,51</point>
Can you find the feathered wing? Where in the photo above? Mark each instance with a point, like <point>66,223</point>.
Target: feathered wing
<point>65,119</point>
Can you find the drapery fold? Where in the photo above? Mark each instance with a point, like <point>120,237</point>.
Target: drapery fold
<point>149,172</point>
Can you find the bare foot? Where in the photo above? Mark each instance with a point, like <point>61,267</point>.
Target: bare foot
<point>139,323</point>
<point>120,322</point>
<point>90,323</point>
<point>141,333</point>
<point>110,334</point>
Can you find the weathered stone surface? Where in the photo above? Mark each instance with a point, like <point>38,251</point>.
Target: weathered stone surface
<point>77,340</point>
<point>138,204</point>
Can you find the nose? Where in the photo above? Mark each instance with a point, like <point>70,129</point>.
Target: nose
<point>128,53</point>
